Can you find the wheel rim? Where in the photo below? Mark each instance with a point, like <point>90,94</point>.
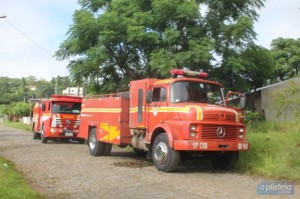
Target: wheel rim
<point>92,141</point>
<point>161,152</point>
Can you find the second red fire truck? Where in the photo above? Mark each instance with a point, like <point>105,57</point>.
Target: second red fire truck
<point>57,118</point>
<point>165,118</point>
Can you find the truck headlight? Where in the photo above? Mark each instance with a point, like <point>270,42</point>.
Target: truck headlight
<point>193,131</point>
<point>54,122</point>
<point>193,128</point>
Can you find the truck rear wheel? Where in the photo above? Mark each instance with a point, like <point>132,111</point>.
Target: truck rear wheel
<point>96,148</point>
<point>35,134</point>
<point>225,161</point>
<point>165,158</point>
<point>43,138</point>
<point>107,149</point>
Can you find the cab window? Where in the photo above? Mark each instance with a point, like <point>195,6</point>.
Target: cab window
<point>159,94</point>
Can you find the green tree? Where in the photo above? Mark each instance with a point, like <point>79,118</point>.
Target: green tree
<point>113,42</point>
<point>4,109</point>
<point>286,54</point>
<point>60,83</point>
<point>20,109</point>
<point>246,70</point>
<point>10,90</point>
<point>44,89</point>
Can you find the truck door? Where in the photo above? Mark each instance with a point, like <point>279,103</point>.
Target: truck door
<point>158,108</point>
<point>37,111</point>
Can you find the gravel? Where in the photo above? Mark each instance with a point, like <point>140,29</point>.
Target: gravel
<point>66,170</point>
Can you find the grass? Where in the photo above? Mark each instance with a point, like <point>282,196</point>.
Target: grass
<point>275,151</point>
<point>12,184</point>
<point>18,125</point>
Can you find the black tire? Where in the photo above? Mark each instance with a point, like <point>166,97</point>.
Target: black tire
<point>107,149</point>
<point>35,135</point>
<point>96,148</point>
<point>43,138</point>
<point>165,158</point>
<point>226,160</point>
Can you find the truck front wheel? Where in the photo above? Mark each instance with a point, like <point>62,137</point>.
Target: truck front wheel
<point>226,160</point>
<point>35,134</point>
<point>165,158</point>
<point>43,138</point>
<point>96,148</point>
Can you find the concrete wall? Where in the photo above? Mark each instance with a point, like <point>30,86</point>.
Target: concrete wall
<point>4,118</point>
<point>268,97</point>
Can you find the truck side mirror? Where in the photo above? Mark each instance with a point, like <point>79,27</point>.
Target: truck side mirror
<point>236,100</point>
<point>43,107</point>
<point>149,96</point>
<point>243,102</point>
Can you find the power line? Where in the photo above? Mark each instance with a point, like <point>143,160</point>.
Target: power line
<point>31,41</point>
<point>23,42</point>
<point>22,33</point>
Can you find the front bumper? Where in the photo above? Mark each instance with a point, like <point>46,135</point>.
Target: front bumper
<point>62,133</point>
<point>205,145</point>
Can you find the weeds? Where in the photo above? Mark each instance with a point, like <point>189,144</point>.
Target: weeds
<point>275,150</point>
<point>12,184</point>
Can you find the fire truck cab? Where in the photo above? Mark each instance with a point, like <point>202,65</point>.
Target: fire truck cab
<point>165,119</point>
<point>57,118</point>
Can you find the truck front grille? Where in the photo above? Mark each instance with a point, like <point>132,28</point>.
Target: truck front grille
<point>65,123</point>
<point>209,132</point>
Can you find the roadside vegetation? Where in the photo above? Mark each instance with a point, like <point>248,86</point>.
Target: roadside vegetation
<point>18,125</point>
<point>275,151</point>
<point>12,184</point>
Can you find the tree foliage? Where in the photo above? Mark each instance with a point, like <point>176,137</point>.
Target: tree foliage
<point>113,42</point>
<point>20,109</point>
<point>16,92</point>
<point>286,54</point>
<point>248,69</point>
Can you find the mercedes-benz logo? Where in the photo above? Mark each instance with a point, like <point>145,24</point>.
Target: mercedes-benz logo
<point>221,132</point>
<point>68,122</point>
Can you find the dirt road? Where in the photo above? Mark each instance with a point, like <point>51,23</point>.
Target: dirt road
<point>66,170</point>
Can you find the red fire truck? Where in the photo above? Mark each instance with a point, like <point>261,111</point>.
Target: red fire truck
<point>166,118</point>
<point>57,118</point>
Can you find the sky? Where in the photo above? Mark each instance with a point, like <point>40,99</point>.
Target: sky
<point>33,30</point>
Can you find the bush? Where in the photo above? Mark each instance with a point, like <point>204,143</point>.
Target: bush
<point>20,109</point>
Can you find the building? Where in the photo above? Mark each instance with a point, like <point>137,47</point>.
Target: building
<point>263,100</point>
<point>33,87</point>
<point>73,91</point>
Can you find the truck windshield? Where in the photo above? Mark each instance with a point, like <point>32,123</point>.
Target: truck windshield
<point>66,107</point>
<point>196,92</point>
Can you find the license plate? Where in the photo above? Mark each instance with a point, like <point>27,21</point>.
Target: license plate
<point>68,134</point>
